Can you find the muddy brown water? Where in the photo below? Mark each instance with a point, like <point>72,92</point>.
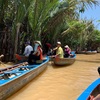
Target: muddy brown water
<point>61,83</point>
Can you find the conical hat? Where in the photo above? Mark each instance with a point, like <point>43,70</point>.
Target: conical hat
<point>38,42</point>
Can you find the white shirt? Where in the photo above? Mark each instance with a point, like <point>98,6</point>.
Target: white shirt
<point>28,50</point>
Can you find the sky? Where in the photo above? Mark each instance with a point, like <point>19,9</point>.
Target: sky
<point>92,14</point>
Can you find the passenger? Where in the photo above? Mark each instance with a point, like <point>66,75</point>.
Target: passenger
<point>59,51</point>
<point>37,54</point>
<point>28,49</point>
<point>67,51</point>
<point>48,49</point>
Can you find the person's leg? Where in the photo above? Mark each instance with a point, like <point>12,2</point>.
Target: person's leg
<point>30,59</point>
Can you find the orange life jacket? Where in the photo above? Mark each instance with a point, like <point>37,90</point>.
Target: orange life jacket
<point>40,50</point>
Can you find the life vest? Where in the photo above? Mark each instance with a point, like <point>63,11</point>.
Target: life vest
<point>40,50</point>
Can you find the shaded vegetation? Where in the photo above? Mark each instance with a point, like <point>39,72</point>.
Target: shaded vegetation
<point>47,21</point>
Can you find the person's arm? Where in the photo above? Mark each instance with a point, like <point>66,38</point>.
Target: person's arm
<point>35,52</point>
<point>25,51</point>
<point>55,48</point>
<point>58,53</point>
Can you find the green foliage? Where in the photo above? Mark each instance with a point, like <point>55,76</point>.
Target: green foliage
<point>48,20</point>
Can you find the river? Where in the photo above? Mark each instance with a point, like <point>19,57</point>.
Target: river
<point>61,83</point>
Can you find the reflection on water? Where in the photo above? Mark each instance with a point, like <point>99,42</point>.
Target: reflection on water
<point>62,83</point>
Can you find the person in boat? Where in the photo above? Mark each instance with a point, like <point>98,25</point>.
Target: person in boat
<point>67,51</point>
<point>25,55</point>
<point>48,49</point>
<point>28,49</point>
<point>37,54</point>
<point>59,51</point>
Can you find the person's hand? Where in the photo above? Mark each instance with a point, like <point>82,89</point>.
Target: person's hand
<point>53,56</point>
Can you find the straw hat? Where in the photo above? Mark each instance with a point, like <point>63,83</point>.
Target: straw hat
<point>66,46</point>
<point>59,43</point>
<point>38,43</point>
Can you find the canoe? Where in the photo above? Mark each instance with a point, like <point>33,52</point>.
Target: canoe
<point>91,52</point>
<point>64,61</point>
<point>92,91</point>
<point>13,80</point>
<point>81,52</point>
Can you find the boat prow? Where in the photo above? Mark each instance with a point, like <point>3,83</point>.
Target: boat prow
<point>92,91</point>
<point>12,81</point>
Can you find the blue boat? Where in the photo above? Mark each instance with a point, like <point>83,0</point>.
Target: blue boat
<point>92,91</point>
<point>14,78</point>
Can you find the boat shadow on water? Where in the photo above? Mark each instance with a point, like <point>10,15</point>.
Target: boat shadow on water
<point>59,66</point>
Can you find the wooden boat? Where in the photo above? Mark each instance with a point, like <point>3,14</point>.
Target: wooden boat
<point>64,61</point>
<point>81,52</point>
<point>91,52</point>
<point>13,80</point>
<point>98,49</point>
<point>92,91</point>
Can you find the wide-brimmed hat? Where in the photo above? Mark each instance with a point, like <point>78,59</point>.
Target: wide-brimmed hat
<point>38,43</point>
<point>59,42</point>
<point>66,46</point>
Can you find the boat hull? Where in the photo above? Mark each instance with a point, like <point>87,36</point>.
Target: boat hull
<point>14,85</point>
<point>93,90</point>
<point>63,61</point>
<point>91,52</point>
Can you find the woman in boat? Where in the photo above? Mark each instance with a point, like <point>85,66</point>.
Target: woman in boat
<point>37,54</point>
<point>59,51</point>
<point>48,49</point>
<point>67,51</point>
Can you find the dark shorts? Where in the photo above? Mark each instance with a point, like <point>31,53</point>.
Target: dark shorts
<point>32,59</point>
